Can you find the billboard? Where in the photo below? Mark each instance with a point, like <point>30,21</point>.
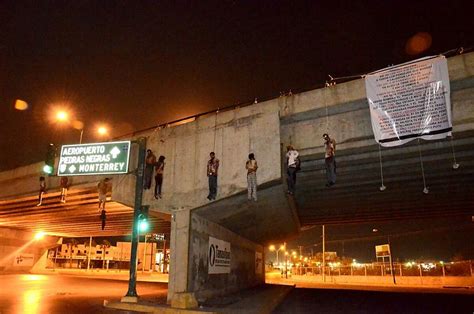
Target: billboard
<point>218,257</point>
<point>94,159</point>
<point>382,250</point>
<point>410,101</point>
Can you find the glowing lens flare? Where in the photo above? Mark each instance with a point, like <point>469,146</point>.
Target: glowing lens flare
<point>21,105</point>
<point>102,130</point>
<point>62,116</point>
<point>40,235</point>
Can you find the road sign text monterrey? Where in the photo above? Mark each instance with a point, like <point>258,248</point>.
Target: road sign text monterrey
<point>94,159</point>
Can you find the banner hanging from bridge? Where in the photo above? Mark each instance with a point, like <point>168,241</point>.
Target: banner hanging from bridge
<point>410,101</point>
<point>94,159</point>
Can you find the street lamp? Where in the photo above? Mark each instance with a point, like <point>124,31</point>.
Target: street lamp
<point>102,130</point>
<point>62,116</point>
<point>272,248</point>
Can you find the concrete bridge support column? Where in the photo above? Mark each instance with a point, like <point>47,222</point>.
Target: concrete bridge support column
<point>179,260</point>
<point>208,260</point>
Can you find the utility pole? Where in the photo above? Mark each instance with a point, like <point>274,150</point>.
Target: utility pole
<point>391,260</point>
<point>324,255</point>
<point>132,295</point>
<point>89,255</point>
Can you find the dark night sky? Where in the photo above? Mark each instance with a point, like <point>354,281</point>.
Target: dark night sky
<point>135,64</point>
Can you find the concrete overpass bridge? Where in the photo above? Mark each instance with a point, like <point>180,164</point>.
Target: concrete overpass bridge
<point>264,129</point>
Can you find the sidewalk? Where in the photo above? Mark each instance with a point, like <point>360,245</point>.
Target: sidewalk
<point>107,274</point>
<point>259,300</point>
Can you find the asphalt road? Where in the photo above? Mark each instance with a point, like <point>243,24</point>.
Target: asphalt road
<point>68,294</point>
<point>302,300</point>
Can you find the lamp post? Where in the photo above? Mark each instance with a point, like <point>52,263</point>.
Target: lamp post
<point>272,248</point>
<point>63,116</point>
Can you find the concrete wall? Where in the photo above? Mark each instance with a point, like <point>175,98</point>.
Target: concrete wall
<point>24,181</point>
<point>232,135</point>
<point>14,243</point>
<point>243,273</point>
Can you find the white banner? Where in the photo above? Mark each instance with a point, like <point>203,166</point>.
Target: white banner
<point>410,101</point>
<point>218,256</point>
<point>258,263</point>
<point>24,259</point>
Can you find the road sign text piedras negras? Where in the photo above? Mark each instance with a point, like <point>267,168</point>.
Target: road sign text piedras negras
<point>94,159</point>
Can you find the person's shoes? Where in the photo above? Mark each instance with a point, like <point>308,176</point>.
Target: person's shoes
<point>159,195</point>
<point>63,201</point>
<point>209,198</point>
<point>156,196</point>
<point>39,204</point>
<point>329,184</point>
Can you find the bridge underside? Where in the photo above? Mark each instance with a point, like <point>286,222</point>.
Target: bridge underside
<point>78,217</point>
<point>356,197</point>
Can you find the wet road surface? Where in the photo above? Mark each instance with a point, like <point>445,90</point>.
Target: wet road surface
<point>303,300</point>
<point>68,294</point>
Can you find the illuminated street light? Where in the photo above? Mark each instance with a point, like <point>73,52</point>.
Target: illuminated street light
<point>102,130</point>
<point>39,235</point>
<point>272,248</point>
<point>62,116</point>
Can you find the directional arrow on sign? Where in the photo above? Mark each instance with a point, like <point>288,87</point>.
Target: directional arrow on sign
<point>115,152</point>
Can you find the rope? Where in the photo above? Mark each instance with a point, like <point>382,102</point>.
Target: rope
<point>327,113</point>
<point>215,127</point>
<point>425,188</point>
<point>382,186</point>
<point>455,164</point>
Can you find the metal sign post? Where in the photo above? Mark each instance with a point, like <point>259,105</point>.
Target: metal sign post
<point>132,295</point>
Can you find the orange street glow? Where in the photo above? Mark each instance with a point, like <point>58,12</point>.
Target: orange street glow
<point>21,105</point>
<point>62,116</point>
<point>102,130</point>
<point>40,235</point>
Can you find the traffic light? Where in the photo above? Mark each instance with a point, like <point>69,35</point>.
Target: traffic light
<point>143,218</point>
<point>48,167</point>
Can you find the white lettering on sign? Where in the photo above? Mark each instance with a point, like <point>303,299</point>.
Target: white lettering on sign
<point>84,150</point>
<point>96,158</point>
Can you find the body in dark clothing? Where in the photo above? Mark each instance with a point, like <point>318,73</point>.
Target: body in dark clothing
<point>150,162</point>
<point>159,168</point>
<point>103,217</point>
<point>212,170</point>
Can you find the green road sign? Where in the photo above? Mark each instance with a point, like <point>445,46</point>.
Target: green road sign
<point>94,159</point>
